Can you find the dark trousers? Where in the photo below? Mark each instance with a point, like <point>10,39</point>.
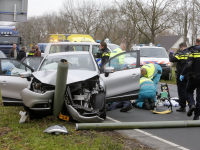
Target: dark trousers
<point>119,104</point>
<point>181,85</point>
<point>191,86</point>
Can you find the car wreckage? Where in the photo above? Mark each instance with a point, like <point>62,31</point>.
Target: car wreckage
<point>87,90</point>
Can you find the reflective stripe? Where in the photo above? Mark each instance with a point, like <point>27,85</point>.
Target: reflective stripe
<point>194,55</point>
<point>143,79</point>
<point>179,57</point>
<point>31,53</point>
<point>105,54</point>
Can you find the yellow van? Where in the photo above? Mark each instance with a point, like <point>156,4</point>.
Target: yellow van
<point>72,38</point>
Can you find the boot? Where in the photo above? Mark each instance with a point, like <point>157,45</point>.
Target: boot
<point>190,111</point>
<point>196,118</point>
<point>126,109</point>
<point>146,104</point>
<point>181,109</point>
<point>152,104</point>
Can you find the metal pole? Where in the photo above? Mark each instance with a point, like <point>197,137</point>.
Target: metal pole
<point>60,89</point>
<point>22,6</point>
<point>137,125</point>
<point>15,13</point>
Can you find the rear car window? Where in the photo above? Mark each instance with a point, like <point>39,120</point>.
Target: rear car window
<point>153,52</point>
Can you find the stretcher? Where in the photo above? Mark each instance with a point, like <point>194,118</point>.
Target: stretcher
<point>164,95</point>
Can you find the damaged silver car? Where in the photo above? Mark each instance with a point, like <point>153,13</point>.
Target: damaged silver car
<point>88,89</point>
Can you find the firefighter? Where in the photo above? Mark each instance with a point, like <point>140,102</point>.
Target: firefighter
<point>147,94</point>
<point>105,53</point>
<point>180,58</point>
<point>153,72</point>
<point>192,70</point>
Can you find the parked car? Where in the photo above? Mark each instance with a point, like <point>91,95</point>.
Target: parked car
<point>85,84</point>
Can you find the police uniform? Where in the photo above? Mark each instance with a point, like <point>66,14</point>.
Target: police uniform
<point>147,91</point>
<point>31,54</point>
<point>154,73</point>
<point>181,59</point>
<point>192,67</point>
<point>105,56</point>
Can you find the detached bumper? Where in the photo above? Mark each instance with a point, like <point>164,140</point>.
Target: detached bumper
<point>35,101</point>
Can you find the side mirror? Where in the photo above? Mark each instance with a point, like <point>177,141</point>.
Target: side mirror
<point>27,75</point>
<point>108,70</point>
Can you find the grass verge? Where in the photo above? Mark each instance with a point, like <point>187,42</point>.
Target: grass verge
<point>173,79</point>
<point>30,136</point>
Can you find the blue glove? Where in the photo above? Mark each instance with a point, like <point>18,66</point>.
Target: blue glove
<point>171,51</point>
<point>181,77</point>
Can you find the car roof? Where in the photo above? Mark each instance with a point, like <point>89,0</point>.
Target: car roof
<point>70,53</point>
<point>79,43</point>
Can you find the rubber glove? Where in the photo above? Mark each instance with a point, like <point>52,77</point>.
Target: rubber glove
<point>181,77</point>
<point>171,51</point>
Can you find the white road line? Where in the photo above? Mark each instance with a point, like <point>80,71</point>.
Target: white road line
<point>153,136</point>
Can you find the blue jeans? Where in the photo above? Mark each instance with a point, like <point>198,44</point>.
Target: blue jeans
<point>119,104</point>
<point>147,94</point>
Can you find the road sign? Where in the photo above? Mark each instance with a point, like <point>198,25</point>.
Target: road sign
<point>13,10</point>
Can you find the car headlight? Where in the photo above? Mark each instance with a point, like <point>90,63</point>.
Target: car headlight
<point>168,64</point>
<point>37,86</point>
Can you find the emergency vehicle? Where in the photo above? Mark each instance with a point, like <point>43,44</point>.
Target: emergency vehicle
<point>71,38</point>
<point>154,54</point>
<point>9,36</point>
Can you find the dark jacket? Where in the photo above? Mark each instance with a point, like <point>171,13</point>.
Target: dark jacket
<point>105,55</point>
<point>193,61</point>
<point>37,53</point>
<point>11,53</point>
<point>21,55</point>
<point>181,59</point>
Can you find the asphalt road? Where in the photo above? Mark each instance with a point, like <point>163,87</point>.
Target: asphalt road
<point>186,137</point>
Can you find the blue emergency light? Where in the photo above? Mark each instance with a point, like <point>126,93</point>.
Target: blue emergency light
<point>159,45</point>
<point>98,41</point>
<point>141,45</point>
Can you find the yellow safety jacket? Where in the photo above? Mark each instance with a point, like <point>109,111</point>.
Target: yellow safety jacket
<point>150,68</point>
<point>143,79</point>
<point>118,51</point>
<point>31,53</point>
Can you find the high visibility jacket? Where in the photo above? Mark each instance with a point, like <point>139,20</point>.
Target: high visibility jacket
<point>146,84</point>
<point>31,53</point>
<point>181,59</point>
<point>105,55</point>
<point>151,70</point>
<point>193,61</point>
<point>118,51</point>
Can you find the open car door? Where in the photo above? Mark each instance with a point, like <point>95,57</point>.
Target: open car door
<point>124,83</point>
<point>11,83</point>
<point>32,62</point>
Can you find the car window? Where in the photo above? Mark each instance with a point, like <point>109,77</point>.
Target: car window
<point>153,52</point>
<point>112,46</point>
<point>12,67</point>
<point>67,48</point>
<point>33,62</point>
<point>96,51</point>
<point>123,61</point>
<point>76,62</point>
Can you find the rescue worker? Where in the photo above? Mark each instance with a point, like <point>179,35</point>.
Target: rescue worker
<point>180,58</point>
<point>192,70</point>
<point>147,94</point>
<point>32,52</point>
<point>124,105</point>
<point>118,62</point>
<point>105,53</point>
<point>153,72</point>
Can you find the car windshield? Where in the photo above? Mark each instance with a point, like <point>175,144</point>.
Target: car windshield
<point>76,62</point>
<point>8,40</point>
<point>153,52</point>
<point>112,46</point>
<point>67,48</point>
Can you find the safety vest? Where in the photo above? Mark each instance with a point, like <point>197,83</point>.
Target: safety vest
<point>118,51</point>
<point>143,79</point>
<point>31,53</point>
<point>151,70</point>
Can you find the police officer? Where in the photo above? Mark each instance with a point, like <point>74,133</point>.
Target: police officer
<point>180,58</point>
<point>105,53</point>
<point>153,72</point>
<point>192,68</point>
<point>32,52</point>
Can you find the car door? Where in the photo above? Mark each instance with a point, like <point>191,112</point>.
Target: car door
<point>123,83</point>
<point>32,62</point>
<point>11,83</point>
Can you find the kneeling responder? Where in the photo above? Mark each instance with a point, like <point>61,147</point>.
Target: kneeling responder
<point>180,58</point>
<point>105,53</point>
<point>147,94</point>
<point>192,70</point>
<point>153,72</point>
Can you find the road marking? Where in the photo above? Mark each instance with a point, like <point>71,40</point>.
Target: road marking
<point>153,136</point>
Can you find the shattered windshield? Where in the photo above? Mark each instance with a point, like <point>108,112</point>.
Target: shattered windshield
<point>76,62</point>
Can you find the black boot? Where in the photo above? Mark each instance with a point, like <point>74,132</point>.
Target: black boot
<point>196,118</point>
<point>152,104</point>
<point>146,104</point>
<point>190,111</point>
<point>126,109</point>
<point>181,109</point>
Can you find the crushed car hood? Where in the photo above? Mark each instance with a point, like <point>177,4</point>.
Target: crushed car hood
<point>49,77</point>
